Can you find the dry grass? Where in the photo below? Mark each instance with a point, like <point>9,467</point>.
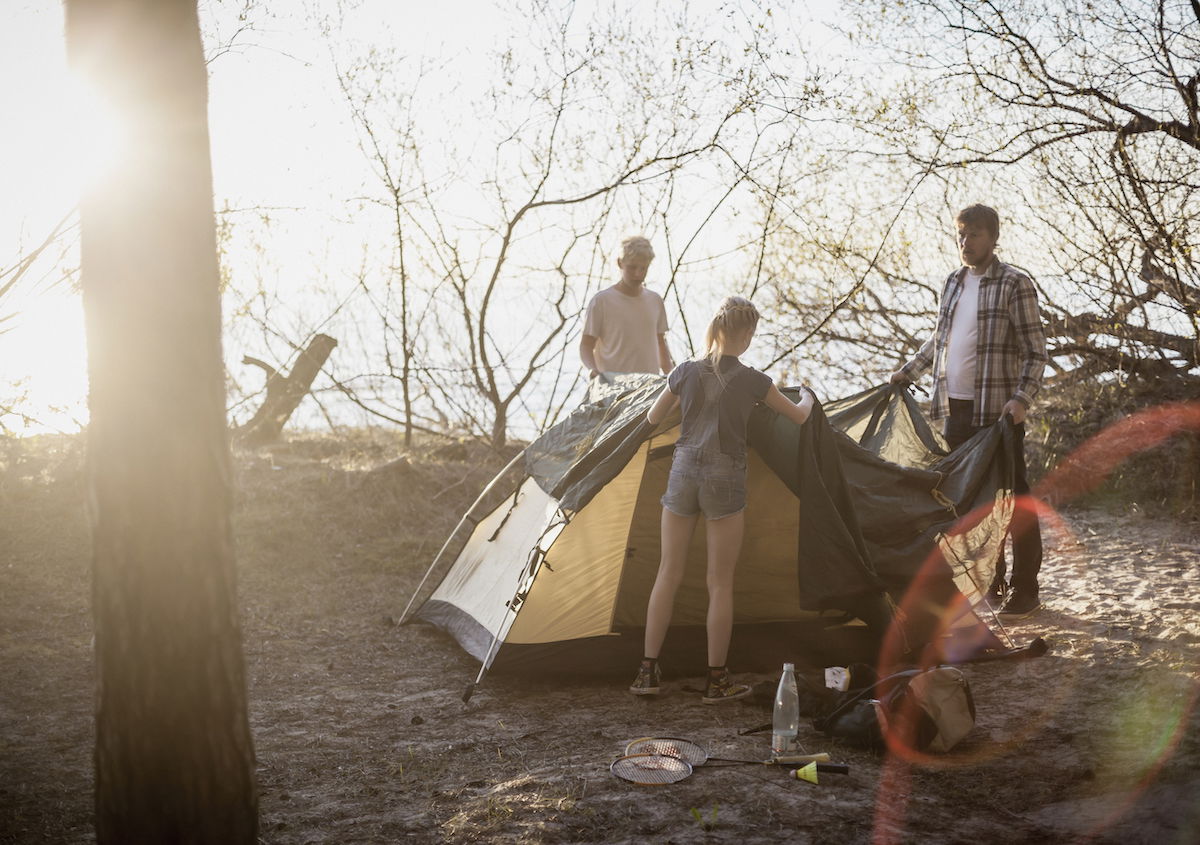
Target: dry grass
<point>1162,480</point>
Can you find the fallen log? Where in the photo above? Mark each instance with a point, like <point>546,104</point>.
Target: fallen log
<point>284,393</point>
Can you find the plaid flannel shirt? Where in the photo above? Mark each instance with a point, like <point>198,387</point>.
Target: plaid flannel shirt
<point>1011,353</point>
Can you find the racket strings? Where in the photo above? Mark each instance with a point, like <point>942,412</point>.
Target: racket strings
<point>650,769</point>
<point>668,746</point>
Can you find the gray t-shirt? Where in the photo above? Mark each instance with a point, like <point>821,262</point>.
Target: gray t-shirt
<point>715,411</point>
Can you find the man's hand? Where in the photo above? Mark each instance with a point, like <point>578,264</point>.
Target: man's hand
<point>899,377</point>
<point>1014,408</point>
<point>587,354</point>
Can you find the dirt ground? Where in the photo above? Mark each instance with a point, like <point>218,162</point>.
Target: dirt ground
<point>361,735</point>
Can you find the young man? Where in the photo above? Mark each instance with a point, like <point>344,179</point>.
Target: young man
<point>625,326</point>
<point>988,354</point>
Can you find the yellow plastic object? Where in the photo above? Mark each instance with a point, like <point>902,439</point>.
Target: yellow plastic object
<point>808,773</point>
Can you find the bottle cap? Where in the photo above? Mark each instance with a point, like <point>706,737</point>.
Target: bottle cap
<point>789,667</point>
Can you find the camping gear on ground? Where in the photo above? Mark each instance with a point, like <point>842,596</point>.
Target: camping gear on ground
<point>837,678</point>
<point>809,773</point>
<point>696,755</point>
<point>1034,648</point>
<point>934,711</point>
<point>653,761</point>
<point>858,721</point>
<point>650,769</point>
<point>556,576</point>
<point>785,717</point>
<point>928,710</point>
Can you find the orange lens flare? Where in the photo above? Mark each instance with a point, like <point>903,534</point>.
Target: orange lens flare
<point>932,608</point>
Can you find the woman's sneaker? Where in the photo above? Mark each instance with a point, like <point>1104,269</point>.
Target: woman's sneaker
<point>719,688</point>
<point>647,681</point>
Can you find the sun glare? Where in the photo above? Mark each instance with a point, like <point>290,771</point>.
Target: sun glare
<point>92,130</point>
<point>46,346</point>
<point>68,138</point>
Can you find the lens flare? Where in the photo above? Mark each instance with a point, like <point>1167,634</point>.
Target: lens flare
<point>1144,726</point>
<point>1143,732</point>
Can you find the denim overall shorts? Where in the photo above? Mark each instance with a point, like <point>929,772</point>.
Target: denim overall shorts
<point>705,481</point>
<point>703,478</point>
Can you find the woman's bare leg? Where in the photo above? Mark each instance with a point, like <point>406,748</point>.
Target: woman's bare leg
<point>676,537</point>
<point>724,544</point>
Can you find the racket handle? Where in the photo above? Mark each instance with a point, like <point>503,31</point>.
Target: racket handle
<point>822,757</point>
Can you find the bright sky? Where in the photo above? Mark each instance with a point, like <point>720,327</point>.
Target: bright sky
<point>41,169</point>
<point>276,125</point>
<point>281,139</point>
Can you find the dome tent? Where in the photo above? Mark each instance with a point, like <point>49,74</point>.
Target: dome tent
<point>853,507</point>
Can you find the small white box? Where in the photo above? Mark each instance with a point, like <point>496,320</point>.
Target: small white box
<point>837,677</point>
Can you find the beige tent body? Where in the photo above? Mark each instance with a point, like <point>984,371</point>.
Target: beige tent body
<point>591,577</point>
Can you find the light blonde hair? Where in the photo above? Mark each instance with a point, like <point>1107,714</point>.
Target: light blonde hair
<point>736,316</point>
<point>636,245</point>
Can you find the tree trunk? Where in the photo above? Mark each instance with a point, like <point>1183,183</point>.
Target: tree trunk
<point>500,426</point>
<point>284,393</point>
<point>174,758</point>
<point>405,340</point>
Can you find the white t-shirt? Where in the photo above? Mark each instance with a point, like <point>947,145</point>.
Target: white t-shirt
<point>626,329</point>
<point>964,338</point>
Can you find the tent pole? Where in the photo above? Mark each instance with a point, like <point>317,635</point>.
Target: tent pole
<point>483,667</point>
<point>996,619</point>
<point>454,533</point>
<point>991,610</point>
<point>512,612</point>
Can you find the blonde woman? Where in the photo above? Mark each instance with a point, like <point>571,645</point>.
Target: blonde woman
<point>708,476</point>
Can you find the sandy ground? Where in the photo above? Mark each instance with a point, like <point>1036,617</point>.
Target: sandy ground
<point>361,735</point>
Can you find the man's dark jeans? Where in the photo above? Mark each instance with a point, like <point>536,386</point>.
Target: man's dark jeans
<point>1025,530</point>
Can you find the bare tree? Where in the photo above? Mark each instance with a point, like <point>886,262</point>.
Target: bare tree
<point>1092,112</point>
<point>501,228</point>
<point>174,758</point>
<point>1078,121</point>
<point>57,241</point>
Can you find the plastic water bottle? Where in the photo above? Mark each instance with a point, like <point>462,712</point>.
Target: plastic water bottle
<point>785,722</point>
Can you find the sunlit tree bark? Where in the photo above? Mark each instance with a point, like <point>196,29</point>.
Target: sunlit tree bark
<point>174,758</point>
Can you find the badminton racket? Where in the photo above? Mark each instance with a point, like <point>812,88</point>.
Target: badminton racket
<point>650,769</point>
<point>695,754</point>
